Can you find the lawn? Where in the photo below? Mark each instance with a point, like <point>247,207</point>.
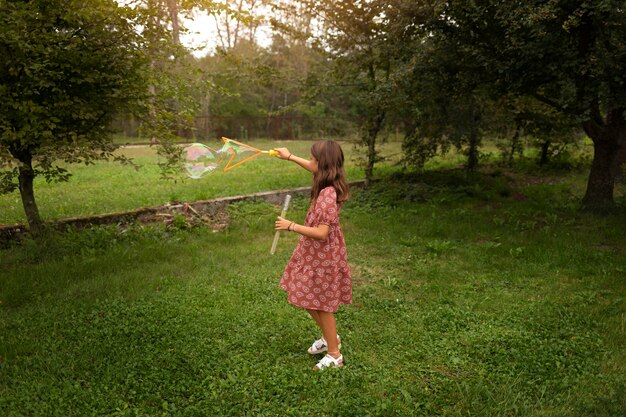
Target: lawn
<point>108,186</point>
<point>487,295</point>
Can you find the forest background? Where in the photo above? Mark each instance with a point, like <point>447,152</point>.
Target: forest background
<point>434,75</point>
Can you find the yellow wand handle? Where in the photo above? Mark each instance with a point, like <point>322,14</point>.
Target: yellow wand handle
<point>282,214</point>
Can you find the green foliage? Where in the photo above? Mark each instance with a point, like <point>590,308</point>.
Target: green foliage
<point>67,69</point>
<point>449,107</point>
<point>172,97</point>
<point>356,76</point>
<point>94,241</point>
<point>536,125</point>
<point>64,75</point>
<point>568,55</point>
<point>8,181</point>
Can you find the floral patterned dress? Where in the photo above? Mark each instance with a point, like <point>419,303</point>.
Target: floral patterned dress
<point>317,276</point>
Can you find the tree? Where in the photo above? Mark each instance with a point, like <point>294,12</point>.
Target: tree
<point>172,101</point>
<point>551,131</point>
<point>446,101</point>
<point>568,54</point>
<point>355,38</point>
<point>66,70</point>
<point>236,20</point>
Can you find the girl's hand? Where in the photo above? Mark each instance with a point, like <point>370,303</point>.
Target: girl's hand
<point>282,224</point>
<point>283,153</point>
<point>309,165</point>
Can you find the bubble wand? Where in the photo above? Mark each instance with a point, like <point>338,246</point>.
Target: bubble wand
<point>282,214</point>
<point>201,159</point>
<point>236,148</point>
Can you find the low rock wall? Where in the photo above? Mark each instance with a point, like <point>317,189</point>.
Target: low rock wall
<point>212,206</point>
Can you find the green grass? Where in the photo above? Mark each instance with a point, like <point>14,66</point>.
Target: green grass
<point>467,301</point>
<point>109,187</point>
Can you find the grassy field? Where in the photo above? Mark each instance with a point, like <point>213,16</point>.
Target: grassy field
<point>489,295</point>
<point>108,186</point>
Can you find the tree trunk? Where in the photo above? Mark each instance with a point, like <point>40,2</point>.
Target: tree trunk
<point>26,177</point>
<point>621,163</point>
<point>371,133</point>
<point>607,140</point>
<point>172,7</point>
<point>545,147</point>
<point>602,176</point>
<point>474,141</point>
<point>373,125</point>
<point>472,157</point>
<point>516,146</point>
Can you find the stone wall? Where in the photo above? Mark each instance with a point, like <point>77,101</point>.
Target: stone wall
<point>209,207</point>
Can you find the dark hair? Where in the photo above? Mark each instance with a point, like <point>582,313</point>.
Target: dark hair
<point>330,173</point>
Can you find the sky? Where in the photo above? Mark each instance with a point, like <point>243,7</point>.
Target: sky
<point>203,34</point>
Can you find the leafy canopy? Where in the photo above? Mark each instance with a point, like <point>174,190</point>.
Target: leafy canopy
<point>68,66</point>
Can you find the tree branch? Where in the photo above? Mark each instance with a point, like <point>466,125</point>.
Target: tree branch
<point>550,102</point>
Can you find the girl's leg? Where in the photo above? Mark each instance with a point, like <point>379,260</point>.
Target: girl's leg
<point>329,330</point>
<point>328,326</point>
<point>315,316</point>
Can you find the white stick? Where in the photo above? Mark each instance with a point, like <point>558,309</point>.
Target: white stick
<point>282,214</point>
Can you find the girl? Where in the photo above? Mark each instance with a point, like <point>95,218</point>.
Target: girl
<point>317,277</point>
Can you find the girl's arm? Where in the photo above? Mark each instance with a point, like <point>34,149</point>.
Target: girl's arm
<point>319,232</point>
<point>304,163</point>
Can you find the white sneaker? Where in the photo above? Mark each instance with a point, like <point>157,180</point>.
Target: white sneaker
<point>329,362</point>
<point>320,346</point>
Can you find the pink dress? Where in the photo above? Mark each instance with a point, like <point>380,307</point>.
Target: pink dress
<point>317,276</point>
